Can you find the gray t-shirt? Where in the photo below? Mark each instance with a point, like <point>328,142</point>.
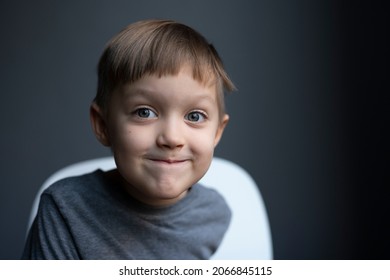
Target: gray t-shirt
<point>93,217</point>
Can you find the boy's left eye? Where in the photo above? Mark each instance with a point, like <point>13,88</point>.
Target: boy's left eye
<point>195,116</point>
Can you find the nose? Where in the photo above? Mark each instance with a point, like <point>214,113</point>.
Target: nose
<point>171,134</point>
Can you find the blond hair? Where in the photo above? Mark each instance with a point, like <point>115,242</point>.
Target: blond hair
<point>159,47</point>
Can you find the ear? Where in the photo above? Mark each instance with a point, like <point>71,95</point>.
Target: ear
<point>98,123</point>
<point>221,128</point>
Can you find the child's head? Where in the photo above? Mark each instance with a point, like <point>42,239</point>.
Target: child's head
<point>160,108</point>
<point>159,47</point>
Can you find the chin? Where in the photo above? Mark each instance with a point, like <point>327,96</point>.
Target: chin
<point>172,194</point>
<point>164,193</point>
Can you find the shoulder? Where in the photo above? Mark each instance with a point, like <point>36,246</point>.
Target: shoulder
<point>81,198</point>
<point>77,187</point>
<point>208,193</point>
<point>210,199</point>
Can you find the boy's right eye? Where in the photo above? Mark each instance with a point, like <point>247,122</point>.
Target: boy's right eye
<point>145,113</point>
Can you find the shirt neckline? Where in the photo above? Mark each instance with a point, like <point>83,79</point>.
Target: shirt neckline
<point>117,190</point>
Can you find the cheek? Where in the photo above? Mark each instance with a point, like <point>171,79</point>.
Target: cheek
<point>131,140</point>
<point>202,146</point>
<point>203,142</point>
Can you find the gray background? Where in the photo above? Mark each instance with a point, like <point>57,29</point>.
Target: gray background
<point>308,121</point>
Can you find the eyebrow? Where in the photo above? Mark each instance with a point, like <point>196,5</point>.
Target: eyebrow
<point>146,92</point>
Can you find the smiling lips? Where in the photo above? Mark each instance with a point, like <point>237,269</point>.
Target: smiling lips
<point>169,161</point>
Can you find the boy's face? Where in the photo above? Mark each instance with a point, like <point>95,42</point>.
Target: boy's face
<point>162,132</point>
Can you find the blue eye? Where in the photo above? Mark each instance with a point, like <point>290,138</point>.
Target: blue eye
<point>145,113</point>
<point>195,116</point>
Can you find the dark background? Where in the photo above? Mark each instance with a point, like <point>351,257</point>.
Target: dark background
<point>309,121</point>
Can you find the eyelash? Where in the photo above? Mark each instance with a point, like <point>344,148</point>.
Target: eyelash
<point>186,117</point>
<point>202,114</point>
<point>139,110</point>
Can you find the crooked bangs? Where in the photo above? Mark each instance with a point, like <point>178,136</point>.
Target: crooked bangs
<point>158,48</point>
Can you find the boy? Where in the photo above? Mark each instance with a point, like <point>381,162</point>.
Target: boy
<point>160,108</point>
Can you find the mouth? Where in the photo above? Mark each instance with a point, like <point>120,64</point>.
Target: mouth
<point>168,161</point>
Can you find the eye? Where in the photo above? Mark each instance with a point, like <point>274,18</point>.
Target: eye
<point>145,113</point>
<point>195,116</point>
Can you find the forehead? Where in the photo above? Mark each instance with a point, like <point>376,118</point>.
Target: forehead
<point>175,88</point>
